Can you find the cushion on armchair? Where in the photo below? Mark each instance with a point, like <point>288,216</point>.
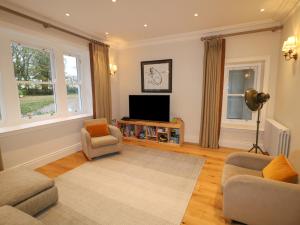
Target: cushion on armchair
<point>98,130</point>
<point>104,141</point>
<point>280,169</point>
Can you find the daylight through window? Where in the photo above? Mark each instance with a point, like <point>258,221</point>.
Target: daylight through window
<point>33,73</point>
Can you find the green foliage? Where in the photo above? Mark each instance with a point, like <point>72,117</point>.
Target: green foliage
<point>32,104</point>
<point>32,65</point>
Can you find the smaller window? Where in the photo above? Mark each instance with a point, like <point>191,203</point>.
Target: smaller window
<point>33,73</point>
<point>73,83</point>
<point>239,78</point>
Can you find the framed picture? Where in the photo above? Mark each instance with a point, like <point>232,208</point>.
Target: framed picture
<point>157,76</point>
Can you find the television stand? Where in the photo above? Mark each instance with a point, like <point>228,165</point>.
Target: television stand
<point>168,133</point>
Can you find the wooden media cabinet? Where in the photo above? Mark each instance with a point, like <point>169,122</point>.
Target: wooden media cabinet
<point>169,133</point>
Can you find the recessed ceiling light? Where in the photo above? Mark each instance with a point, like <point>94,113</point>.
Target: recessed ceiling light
<point>145,25</point>
<point>114,0</point>
<point>106,33</point>
<point>67,14</point>
<point>196,14</point>
<point>262,10</point>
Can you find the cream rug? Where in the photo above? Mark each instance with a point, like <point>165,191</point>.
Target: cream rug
<point>140,186</point>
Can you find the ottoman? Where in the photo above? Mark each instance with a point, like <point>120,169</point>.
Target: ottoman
<point>27,190</point>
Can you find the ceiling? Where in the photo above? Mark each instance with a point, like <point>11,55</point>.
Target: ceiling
<point>125,19</point>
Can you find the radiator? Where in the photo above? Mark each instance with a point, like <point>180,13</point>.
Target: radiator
<point>276,138</point>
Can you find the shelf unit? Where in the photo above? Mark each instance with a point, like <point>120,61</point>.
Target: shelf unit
<point>169,133</point>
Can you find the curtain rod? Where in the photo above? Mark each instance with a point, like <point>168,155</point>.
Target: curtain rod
<point>49,25</point>
<point>273,29</point>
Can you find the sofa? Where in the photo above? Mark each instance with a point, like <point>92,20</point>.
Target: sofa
<point>99,146</point>
<point>251,199</point>
<point>24,193</point>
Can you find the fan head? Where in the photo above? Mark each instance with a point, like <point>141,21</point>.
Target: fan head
<point>255,100</point>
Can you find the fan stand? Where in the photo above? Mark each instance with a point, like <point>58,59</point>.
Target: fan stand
<point>256,147</point>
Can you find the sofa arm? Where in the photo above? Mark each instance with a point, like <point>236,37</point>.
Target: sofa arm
<point>248,160</point>
<point>258,201</point>
<point>115,131</point>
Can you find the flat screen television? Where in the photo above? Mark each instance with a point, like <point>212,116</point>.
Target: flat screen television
<point>149,107</point>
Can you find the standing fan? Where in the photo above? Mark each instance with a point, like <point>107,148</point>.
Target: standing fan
<point>255,102</point>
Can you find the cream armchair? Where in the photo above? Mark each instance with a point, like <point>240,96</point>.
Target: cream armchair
<point>98,146</point>
<point>249,198</point>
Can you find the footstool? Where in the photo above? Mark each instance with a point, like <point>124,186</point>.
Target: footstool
<point>27,190</point>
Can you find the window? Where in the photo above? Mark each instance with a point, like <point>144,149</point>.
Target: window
<point>34,76</point>
<point>73,83</point>
<point>238,78</point>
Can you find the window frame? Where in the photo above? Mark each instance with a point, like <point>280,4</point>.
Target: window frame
<point>79,82</point>
<point>53,82</point>
<point>257,85</point>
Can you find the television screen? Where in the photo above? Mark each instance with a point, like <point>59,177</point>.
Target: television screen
<point>149,107</point>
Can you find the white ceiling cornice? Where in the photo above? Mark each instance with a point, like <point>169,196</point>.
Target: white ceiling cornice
<point>199,34</point>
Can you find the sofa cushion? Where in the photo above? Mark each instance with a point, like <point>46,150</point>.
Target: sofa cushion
<point>12,216</point>
<point>232,170</point>
<point>103,141</point>
<point>20,184</point>
<point>280,169</point>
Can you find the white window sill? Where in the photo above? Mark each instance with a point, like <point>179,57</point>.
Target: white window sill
<point>240,126</point>
<point>27,127</point>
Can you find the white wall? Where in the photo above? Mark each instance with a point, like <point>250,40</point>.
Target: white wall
<point>187,79</point>
<point>288,91</point>
<point>186,97</point>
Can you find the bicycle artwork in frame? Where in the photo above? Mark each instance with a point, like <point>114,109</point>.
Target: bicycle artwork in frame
<point>157,76</point>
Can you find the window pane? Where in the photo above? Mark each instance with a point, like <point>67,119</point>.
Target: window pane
<point>33,74</point>
<point>36,99</point>
<point>237,108</point>
<point>73,98</point>
<point>240,80</point>
<point>31,64</point>
<point>72,81</point>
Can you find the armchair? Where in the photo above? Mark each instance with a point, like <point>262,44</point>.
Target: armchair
<point>98,146</point>
<point>249,198</point>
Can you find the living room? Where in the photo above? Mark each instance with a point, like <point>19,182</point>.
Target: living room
<point>140,113</point>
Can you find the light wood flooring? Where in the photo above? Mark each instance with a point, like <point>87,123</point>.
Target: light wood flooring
<point>205,205</point>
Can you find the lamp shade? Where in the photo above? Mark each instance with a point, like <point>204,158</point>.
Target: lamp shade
<point>255,100</point>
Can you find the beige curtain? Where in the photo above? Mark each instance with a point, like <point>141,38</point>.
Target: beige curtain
<point>213,65</point>
<point>101,88</point>
<point>1,162</point>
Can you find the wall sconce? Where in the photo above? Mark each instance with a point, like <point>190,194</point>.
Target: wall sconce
<point>113,69</point>
<point>289,48</point>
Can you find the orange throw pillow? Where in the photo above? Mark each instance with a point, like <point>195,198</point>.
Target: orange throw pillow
<point>280,169</point>
<point>98,130</point>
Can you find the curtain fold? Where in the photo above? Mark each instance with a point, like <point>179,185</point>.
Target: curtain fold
<point>213,73</point>
<point>101,88</point>
<point>1,162</point>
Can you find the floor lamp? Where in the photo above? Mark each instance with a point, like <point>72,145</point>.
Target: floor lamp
<point>255,102</point>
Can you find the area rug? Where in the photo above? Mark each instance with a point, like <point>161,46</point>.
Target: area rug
<point>140,186</point>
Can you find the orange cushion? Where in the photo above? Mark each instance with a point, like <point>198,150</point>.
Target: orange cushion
<point>98,130</point>
<point>280,169</point>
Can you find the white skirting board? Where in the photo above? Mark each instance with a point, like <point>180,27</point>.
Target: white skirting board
<point>45,159</point>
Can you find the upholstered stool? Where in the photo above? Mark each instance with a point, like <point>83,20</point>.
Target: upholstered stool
<point>27,190</point>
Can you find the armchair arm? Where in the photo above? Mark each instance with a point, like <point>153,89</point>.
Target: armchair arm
<point>86,141</point>
<point>115,131</point>
<point>258,201</point>
<point>248,160</point>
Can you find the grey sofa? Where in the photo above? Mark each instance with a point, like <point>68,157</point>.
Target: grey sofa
<point>23,194</point>
<point>249,198</point>
<point>98,146</point>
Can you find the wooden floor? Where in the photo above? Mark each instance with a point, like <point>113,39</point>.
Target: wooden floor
<point>205,206</point>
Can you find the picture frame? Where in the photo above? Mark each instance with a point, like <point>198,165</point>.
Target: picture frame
<point>156,76</point>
